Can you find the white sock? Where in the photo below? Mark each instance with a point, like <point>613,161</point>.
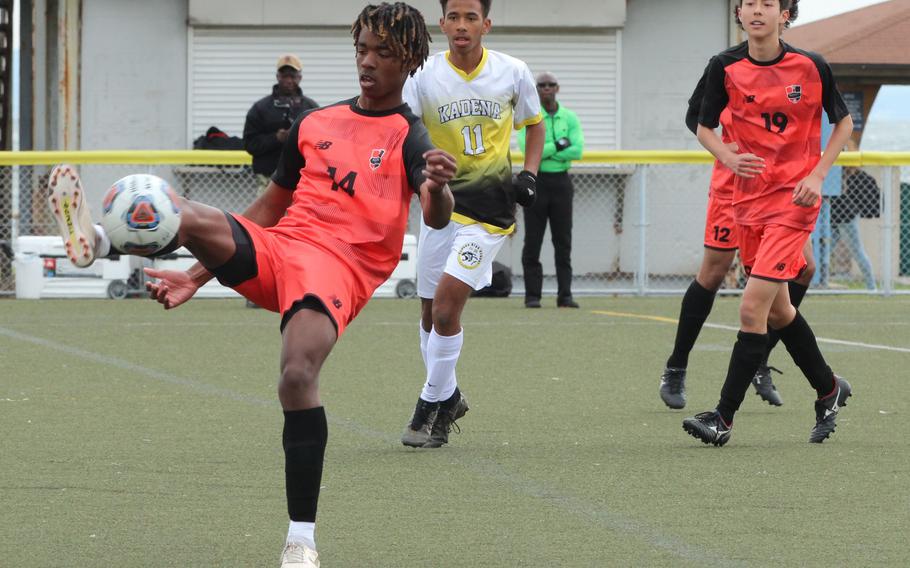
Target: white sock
<point>424,337</point>
<point>302,532</point>
<point>442,356</point>
<point>102,243</point>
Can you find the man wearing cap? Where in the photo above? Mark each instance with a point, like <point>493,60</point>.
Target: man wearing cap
<point>564,143</point>
<point>269,119</point>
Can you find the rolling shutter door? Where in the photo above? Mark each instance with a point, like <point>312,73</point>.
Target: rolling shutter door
<point>230,68</point>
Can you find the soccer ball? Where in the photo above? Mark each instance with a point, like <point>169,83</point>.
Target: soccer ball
<point>140,214</point>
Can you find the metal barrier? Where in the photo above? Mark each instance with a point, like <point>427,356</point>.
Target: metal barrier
<point>638,216</point>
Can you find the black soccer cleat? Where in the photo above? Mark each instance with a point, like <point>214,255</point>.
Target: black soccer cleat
<point>764,386</point>
<point>417,432</point>
<point>673,387</point>
<point>708,427</point>
<point>826,410</point>
<point>448,413</point>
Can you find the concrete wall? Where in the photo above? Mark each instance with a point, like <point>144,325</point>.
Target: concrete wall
<point>513,13</point>
<point>665,47</point>
<point>133,87</point>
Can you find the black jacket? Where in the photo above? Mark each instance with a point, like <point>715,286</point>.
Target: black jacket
<point>267,116</point>
<point>861,198</point>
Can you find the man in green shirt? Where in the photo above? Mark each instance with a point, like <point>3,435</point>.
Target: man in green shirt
<point>564,142</point>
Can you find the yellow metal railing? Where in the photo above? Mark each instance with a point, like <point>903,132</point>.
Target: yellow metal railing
<point>240,158</point>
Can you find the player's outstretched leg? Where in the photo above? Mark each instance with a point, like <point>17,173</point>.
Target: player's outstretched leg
<point>204,230</point>
<point>67,200</point>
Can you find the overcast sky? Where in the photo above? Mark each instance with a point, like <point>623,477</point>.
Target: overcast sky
<point>811,10</point>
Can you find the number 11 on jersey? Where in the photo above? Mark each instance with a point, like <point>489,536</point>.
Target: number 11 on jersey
<point>473,147</point>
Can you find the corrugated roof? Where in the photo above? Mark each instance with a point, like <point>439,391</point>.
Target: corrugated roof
<point>876,35</point>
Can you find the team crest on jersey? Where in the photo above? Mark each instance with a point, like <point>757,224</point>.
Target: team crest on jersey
<point>376,158</point>
<point>470,256</point>
<point>794,93</point>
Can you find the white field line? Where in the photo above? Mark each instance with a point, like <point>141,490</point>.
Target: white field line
<point>662,319</point>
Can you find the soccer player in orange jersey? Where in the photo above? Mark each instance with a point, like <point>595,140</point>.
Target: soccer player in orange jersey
<point>325,234</point>
<point>775,94</point>
<point>721,241</point>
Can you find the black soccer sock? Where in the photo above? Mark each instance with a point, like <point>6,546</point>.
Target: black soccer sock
<point>696,306</point>
<point>797,293</point>
<point>800,342</point>
<point>304,439</point>
<point>748,352</point>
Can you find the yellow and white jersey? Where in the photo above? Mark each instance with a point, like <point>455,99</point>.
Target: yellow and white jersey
<point>472,117</point>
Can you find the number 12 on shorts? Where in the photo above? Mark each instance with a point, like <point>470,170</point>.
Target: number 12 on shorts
<point>473,147</point>
<point>721,234</point>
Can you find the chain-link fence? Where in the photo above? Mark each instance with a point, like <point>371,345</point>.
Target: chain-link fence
<point>638,228</point>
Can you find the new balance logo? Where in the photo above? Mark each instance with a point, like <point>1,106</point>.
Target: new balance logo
<point>781,267</point>
<point>750,99</point>
<point>323,145</point>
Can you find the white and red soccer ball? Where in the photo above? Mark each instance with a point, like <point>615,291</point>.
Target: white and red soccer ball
<point>140,214</point>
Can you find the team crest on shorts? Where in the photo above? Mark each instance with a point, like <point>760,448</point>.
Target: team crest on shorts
<point>794,93</point>
<point>376,158</point>
<point>470,256</point>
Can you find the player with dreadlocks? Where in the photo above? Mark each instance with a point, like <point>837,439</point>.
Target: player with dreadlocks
<point>315,246</point>
<point>410,41</point>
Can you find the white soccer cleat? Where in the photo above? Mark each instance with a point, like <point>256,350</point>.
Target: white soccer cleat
<point>67,201</point>
<point>299,555</point>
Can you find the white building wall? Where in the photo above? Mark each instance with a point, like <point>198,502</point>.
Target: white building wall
<point>133,76</point>
<point>510,13</point>
<point>666,46</point>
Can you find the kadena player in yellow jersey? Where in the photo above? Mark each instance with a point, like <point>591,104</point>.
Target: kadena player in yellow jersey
<point>470,99</point>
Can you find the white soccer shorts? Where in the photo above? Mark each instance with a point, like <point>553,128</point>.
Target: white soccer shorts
<point>463,251</point>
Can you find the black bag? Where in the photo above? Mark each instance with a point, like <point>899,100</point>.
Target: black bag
<point>216,139</point>
<point>501,286</point>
